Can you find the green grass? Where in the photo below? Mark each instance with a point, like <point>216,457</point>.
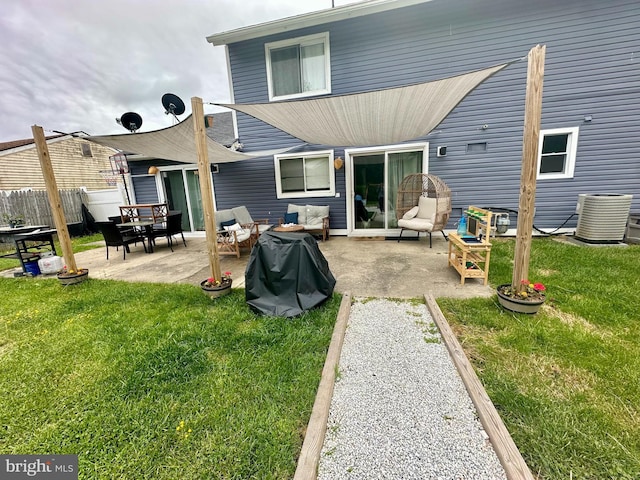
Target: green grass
<point>566,381</point>
<point>79,244</point>
<point>156,381</point>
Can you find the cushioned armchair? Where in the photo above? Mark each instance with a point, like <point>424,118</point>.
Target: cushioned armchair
<point>423,204</point>
<point>237,229</point>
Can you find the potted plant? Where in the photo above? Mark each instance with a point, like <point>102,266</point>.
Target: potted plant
<point>13,220</point>
<point>526,299</point>
<point>69,276</point>
<point>217,288</point>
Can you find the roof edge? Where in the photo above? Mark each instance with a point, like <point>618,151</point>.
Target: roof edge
<point>308,20</point>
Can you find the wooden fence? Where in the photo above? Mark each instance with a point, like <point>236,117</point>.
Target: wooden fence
<point>34,208</point>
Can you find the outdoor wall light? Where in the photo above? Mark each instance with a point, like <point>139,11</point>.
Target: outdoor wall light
<point>153,170</point>
<point>588,118</point>
<point>338,163</point>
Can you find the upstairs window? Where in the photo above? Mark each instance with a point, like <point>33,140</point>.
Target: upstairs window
<point>298,67</point>
<point>308,175</point>
<point>557,153</point>
<point>86,150</point>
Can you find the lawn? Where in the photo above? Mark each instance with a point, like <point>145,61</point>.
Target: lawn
<point>154,381</point>
<point>566,381</point>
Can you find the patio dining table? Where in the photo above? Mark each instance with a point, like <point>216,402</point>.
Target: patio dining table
<point>147,225</point>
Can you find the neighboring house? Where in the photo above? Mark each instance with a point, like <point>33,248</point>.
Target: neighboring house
<point>76,163</point>
<point>590,115</point>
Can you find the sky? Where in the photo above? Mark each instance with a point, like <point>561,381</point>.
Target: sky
<point>77,65</point>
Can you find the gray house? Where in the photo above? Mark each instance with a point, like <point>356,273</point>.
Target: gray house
<point>590,106</point>
<point>589,119</point>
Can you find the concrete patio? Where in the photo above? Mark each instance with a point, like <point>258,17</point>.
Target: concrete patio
<point>364,267</point>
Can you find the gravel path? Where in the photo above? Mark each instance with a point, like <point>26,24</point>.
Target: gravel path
<point>399,408</point>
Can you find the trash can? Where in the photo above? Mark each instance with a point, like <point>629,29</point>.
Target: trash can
<point>287,274</point>
<point>32,267</point>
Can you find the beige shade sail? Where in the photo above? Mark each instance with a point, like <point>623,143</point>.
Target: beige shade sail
<point>172,143</point>
<point>378,117</point>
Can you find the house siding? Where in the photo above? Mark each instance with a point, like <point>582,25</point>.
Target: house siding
<point>592,68</point>
<point>20,167</point>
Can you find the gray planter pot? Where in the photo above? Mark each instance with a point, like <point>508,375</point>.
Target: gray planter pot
<point>517,305</point>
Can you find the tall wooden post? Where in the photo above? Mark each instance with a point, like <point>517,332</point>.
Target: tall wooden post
<point>530,139</point>
<point>54,197</point>
<point>204,174</point>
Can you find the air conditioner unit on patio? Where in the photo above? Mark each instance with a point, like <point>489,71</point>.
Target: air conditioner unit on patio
<point>602,218</point>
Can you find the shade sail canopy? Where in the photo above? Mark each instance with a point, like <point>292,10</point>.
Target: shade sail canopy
<point>172,143</point>
<point>372,118</point>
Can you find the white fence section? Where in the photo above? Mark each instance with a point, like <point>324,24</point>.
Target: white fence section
<point>104,203</point>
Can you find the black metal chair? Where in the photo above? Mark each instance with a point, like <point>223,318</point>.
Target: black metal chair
<point>173,226</point>
<point>113,237</point>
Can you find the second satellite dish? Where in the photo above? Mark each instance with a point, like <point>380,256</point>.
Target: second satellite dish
<point>131,121</point>
<point>172,105</point>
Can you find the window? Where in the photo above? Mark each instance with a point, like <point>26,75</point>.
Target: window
<point>298,67</point>
<point>308,175</point>
<point>86,150</point>
<point>557,153</point>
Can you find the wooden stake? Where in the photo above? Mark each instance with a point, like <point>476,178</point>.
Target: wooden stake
<point>204,174</point>
<point>54,197</point>
<point>530,139</point>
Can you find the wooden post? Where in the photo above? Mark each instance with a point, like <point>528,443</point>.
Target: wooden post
<point>204,174</point>
<point>54,197</point>
<point>530,139</point>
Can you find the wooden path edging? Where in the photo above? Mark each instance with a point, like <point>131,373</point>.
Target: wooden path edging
<point>504,446</point>
<point>309,459</point>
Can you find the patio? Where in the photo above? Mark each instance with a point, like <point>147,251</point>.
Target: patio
<point>369,267</point>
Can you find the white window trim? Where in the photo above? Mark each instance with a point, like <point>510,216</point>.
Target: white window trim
<point>320,154</point>
<point>572,149</point>
<point>297,41</point>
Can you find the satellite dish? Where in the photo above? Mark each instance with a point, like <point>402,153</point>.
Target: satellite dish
<point>172,105</point>
<point>131,121</point>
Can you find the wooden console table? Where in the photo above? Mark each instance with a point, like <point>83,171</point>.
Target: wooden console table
<point>469,259</point>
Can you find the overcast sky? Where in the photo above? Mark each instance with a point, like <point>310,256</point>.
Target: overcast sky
<point>71,65</point>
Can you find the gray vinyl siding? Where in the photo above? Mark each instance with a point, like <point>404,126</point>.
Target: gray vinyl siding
<point>592,68</point>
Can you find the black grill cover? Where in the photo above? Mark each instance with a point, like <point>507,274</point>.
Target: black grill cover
<point>287,274</point>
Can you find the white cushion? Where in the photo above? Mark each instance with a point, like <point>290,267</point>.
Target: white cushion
<point>427,209</point>
<point>235,227</point>
<point>242,215</point>
<point>243,235</point>
<point>411,213</point>
<point>314,226</point>
<point>419,224</point>
<point>301,210</point>
<point>315,214</point>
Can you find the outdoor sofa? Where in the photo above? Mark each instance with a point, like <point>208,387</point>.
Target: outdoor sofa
<point>314,218</point>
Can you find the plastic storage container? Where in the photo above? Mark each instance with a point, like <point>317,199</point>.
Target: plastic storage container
<point>32,268</point>
<point>50,263</point>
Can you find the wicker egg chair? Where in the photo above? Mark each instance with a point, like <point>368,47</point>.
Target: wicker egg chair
<point>423,204</point>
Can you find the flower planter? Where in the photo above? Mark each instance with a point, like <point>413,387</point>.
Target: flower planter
<point>217,291</point>
<point>72,278</point>
<point>519,305</point>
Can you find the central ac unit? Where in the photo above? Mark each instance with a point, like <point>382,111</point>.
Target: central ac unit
<point>602,218</point>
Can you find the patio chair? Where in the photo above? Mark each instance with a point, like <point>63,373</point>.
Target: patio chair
<point>172,226</point>
<point>113,237</point>
<point>423,204</point>
<point>233,237</point>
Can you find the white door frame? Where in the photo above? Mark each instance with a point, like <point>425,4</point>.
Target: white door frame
<point>184,168</point>
<point>349,153</point>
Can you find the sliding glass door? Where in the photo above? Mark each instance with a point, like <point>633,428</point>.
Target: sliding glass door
<point>182,192</point>
<point>376,176</point>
